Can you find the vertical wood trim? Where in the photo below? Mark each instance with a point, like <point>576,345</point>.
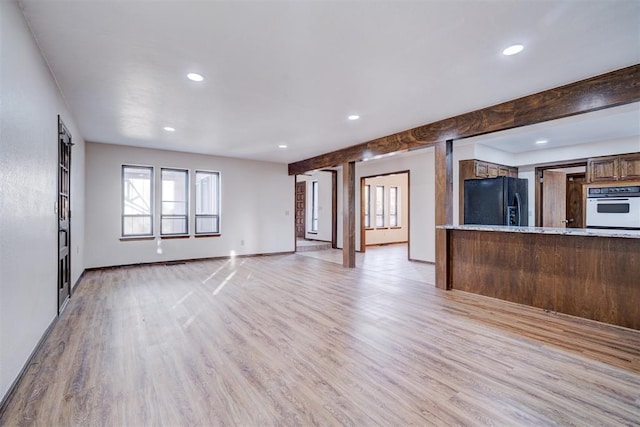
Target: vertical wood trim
<point>537,188</point>
<point>444,209</point>
<point>295,213</point>
<point>349,214</point>
<point>408,196</point>
<point>334,209</point>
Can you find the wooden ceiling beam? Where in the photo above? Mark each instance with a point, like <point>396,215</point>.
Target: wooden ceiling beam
<point>604,91</point>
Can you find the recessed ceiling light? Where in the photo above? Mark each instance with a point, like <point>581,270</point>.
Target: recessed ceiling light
<point>282,146</point>
<point>195,77</point>
<point>542,141</point>
<point>512,50</point>
<point>169,129</point>
<point>353,117</point>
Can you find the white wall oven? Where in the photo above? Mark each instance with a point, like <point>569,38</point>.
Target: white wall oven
<point>614,207</point>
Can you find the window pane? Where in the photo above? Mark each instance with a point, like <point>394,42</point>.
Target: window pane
<point>136,225</point>
<point>206,224</point>
<point>174,192</point>
<point>393,206</point>
<point>206,193</point>
<point>393,199</point>
<point>174,206</point>
<point>379,206</point>
<point>174,225</point>
<point>137,200</point>
<point>137,190</point>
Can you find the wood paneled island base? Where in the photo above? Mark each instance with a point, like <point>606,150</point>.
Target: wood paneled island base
<point>594,277</point>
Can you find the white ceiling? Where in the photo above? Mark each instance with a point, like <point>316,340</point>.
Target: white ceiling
<point>598,126</point>
<point>290,72</point>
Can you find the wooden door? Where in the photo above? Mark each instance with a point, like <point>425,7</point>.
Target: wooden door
<point>575,201</point>
<point>554,199</point>
<point>64,215</point>
<point>301,208</point>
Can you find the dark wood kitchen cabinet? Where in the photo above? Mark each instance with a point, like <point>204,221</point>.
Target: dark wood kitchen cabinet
<point>477,169</point>
<point>625,167</point>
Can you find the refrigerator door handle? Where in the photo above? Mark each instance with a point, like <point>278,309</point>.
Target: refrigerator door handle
<point>519,208</point>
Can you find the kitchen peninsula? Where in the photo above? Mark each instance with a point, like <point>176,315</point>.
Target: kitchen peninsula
<point>590,273</point>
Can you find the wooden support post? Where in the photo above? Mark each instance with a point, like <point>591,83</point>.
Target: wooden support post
<point>334,209</point>
<point>444,209</point>
<point>349,214</point>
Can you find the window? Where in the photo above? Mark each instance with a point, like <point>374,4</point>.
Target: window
<point>367,206</point>
<point>393,207</point>
<point>379,206</point>
<point>175,209</point>
<point>207,202</point>
<point>137,201</point>
<point>314,206</point>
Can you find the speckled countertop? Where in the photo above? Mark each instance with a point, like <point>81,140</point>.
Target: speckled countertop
<point>596,232</point>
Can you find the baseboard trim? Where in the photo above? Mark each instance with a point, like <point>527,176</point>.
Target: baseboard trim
<point>7,397</point>
<point>317,240</point>
<point>14,386</point>
<point>422,261</point>
<point>184,261</point>
<point>388,243</point>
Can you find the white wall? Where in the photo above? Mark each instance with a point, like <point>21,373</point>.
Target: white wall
<point>30,105</point>
<point>387,234</point>
<point>324,204</point>
<point>257,202</point>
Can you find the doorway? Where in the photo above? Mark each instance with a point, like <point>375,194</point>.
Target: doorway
<point>559,195</point>
<point>316,215</point>
<point>384,210</point>
<point>64,215</point>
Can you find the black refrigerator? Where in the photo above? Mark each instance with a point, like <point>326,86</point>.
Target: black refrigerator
<point>496,201</point>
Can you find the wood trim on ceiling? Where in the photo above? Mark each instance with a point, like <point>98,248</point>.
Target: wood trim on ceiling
<point>604,91</point>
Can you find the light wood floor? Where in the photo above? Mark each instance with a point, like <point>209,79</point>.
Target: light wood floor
<point>299,340</point>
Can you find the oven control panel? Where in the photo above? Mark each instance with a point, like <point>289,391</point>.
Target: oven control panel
<point>622,191</point>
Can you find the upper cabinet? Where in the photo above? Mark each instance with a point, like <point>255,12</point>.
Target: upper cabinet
<point>482,169</point>
<point>625,167</point>
<point>630,167</point>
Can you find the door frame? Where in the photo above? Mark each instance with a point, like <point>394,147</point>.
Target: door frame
<point>64,274</point>
<point>539,175</point>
